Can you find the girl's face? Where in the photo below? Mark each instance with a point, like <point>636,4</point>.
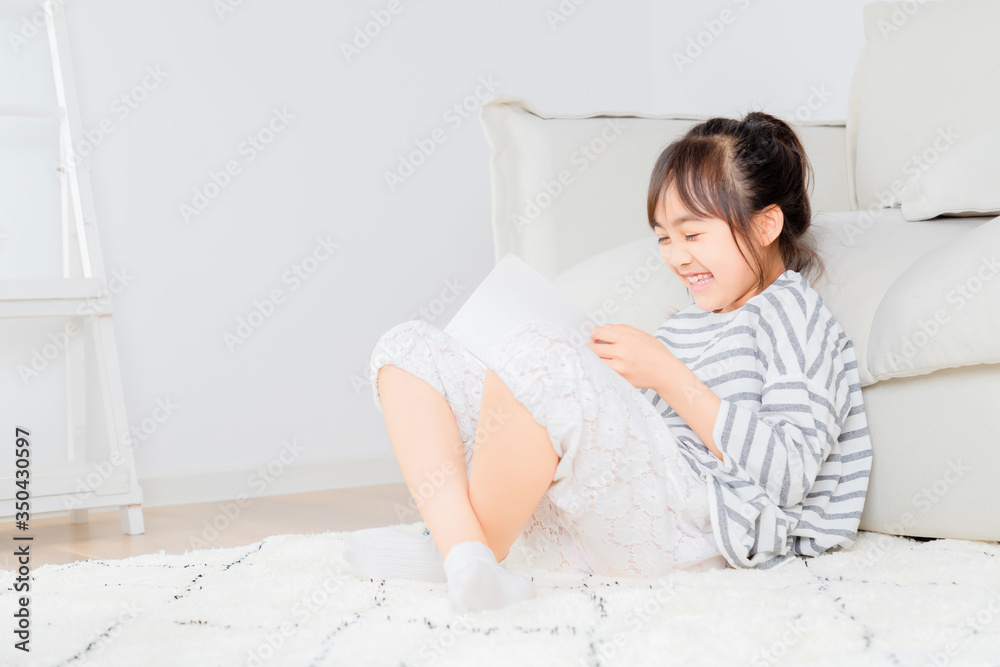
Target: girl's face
<point>693,245</point>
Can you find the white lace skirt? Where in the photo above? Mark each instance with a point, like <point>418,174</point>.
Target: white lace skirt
<point>623,502</point>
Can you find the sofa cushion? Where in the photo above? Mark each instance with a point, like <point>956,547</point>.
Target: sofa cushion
<point>943,311</point>
<point>865,255</point>
<point>629,284</point>
<point>917,90</point>
<point>963,181</point>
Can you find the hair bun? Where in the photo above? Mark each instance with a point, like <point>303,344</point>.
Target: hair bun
<point>757,118</point>
<point>762,126</point>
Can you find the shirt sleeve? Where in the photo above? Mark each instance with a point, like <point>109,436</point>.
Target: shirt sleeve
<point>779,443</point>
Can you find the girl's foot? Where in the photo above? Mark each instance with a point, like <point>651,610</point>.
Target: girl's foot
<point>476,581</point>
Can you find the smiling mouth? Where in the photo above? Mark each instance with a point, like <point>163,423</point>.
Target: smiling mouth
<point>702,282</point>
<point>698,278</point>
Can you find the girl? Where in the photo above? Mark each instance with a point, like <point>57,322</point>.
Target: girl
<point>736,436</point>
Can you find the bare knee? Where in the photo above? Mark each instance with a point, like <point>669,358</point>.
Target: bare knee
<point>495,390</point>
<point>395,376</point>
<point>378,376</point>
<point>393,372</point>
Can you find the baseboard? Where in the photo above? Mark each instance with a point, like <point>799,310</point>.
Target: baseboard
<point>219,485</point>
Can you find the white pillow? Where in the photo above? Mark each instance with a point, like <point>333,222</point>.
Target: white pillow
<point>964,180</point>
<point>628,284</point>
<point>929,72</point>
<point>942,311</point>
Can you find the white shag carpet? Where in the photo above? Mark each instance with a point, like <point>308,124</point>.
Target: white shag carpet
<point>292,600</point>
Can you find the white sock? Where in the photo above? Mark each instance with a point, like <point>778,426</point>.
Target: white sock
<point>394,553</point>
<point>476,581</point>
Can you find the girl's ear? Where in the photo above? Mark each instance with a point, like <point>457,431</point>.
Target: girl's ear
<point>769,224</point>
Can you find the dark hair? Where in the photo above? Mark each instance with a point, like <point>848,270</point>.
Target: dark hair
<point>733,169</point>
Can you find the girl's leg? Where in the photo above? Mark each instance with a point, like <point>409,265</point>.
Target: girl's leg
<point>513,464</point>
<point>624,500</point>
<point>428,447</point>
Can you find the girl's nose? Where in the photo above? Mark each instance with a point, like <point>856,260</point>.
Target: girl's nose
<point>678,257</point>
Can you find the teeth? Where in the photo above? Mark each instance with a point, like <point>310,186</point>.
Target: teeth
<point>700,278</point>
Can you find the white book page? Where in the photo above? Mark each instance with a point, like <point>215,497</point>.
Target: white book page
<point>511,294</point>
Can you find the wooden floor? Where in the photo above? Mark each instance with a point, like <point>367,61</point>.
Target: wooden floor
<point>179,528</point>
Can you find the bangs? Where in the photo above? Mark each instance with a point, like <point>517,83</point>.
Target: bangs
<point>698,168</point>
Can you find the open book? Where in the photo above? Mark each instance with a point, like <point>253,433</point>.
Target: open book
<point>511,294</point>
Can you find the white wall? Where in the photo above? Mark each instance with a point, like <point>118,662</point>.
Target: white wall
<point>302,374</point>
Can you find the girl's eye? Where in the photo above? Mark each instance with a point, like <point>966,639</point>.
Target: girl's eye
<point>687,237</point>
<point>690,236</point>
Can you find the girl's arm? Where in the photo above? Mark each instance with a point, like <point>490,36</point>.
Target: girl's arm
<point>646,362</point>
<point>691,398</point>
<point>786,440</point>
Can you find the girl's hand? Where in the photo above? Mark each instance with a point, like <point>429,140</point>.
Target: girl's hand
<point>634,354</point>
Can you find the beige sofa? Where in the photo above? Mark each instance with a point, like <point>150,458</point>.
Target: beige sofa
<point>919,296</point>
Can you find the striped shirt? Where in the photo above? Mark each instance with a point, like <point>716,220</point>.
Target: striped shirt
<point>791,426</point>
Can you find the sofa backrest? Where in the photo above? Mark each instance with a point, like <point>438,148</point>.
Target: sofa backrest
<point>566,188</point>
<point>927,78</point>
